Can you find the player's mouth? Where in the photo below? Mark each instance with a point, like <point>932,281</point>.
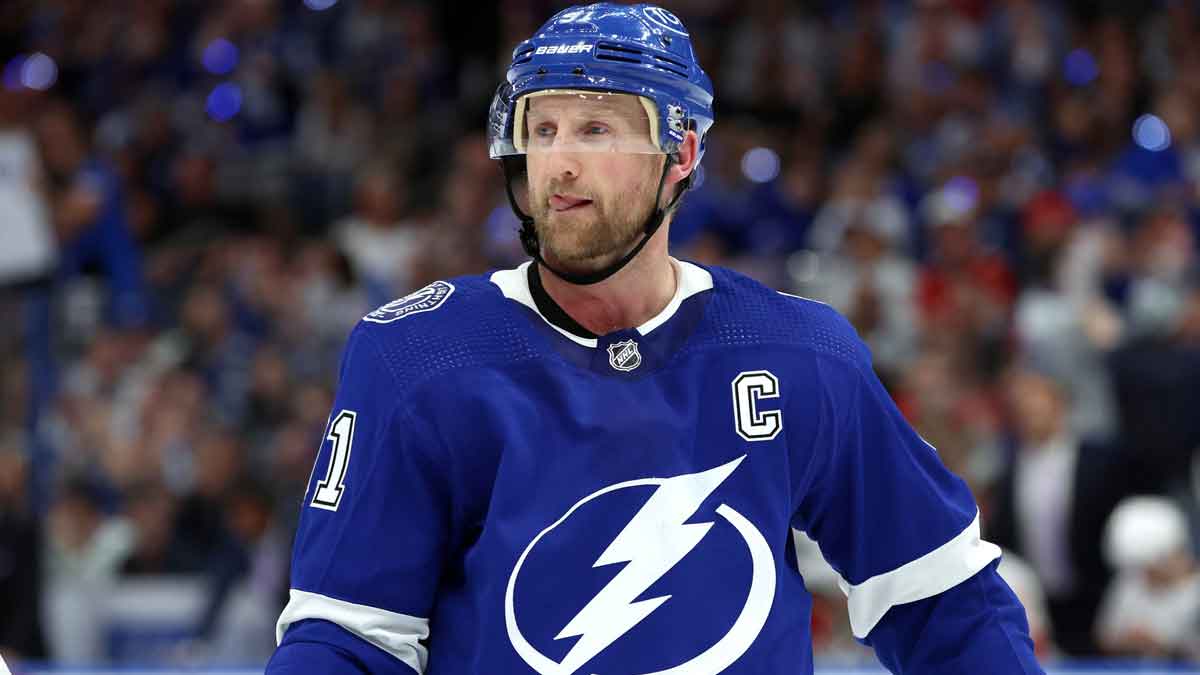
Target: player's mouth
<point>561,202</point>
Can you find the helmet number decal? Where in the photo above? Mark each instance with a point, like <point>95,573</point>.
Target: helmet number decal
<point>572,16</point>
<point>664,19</point>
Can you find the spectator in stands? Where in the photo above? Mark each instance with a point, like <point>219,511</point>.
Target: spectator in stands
<point>1163,257</point>
<point>965,291</point>
<point>89,213</point>
<point>867,275</point>
<point>215,349</point>
<point>84,551</point>
<point>244,630</point>
<point>954,408</point>
<point>1051,504</point>
<point>1152,608</point>
<point>331,299</point>
<point>158,547</point>
<point>333,138</point>
<point>30,249</point>
<point>1062,321</point>
<point>20,560</point>
<point>380,241</point>
<point>194,207</point>
<point>1157,381</point>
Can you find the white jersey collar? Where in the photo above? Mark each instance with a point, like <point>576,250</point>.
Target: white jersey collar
<point>693,279</point>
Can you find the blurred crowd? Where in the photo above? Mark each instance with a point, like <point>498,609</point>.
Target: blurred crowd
<point>200,199</point>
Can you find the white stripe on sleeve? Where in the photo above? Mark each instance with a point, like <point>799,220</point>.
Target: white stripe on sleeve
<point>395,633</point>
<point>939,570</point>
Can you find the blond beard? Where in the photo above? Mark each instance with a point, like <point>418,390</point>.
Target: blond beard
<point>585,245</point>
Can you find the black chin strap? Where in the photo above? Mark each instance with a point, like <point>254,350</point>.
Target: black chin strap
<point>515,165</point>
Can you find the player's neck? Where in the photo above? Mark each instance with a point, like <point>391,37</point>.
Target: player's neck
<point>627,299</point>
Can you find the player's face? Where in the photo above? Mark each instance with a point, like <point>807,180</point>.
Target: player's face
<point>591,181</point>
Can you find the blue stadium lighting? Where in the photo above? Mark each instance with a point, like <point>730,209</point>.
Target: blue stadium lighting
<point>39,72</point>
<point>224,102</point>
<point>1151,133</point>
<point>319,5</point>
<point>12,73</point>
<point>1079,68</point>
<point>220,57</point>
<point>961,194</point>
<point>760,165</point>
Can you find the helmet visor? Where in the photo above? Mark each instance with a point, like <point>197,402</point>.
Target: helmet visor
<point>573,120</point>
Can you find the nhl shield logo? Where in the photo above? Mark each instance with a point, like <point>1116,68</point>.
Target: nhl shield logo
<point>624,356</point>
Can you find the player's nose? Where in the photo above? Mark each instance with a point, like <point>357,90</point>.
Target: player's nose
<point>564,165</point>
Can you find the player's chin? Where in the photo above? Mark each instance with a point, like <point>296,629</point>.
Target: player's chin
<point>571,226</point>
<point>580,259</point>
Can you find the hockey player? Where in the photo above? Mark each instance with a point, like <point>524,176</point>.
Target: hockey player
<point>593,463</point>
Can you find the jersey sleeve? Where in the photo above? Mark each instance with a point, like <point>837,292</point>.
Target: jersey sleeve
<point>374,527</point>
<point>978,626</point>
<point>889,517</point>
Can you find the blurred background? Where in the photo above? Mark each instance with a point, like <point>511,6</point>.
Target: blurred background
<point>200,198</point>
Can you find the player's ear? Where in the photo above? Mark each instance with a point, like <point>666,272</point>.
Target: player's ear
<point>685,158</point>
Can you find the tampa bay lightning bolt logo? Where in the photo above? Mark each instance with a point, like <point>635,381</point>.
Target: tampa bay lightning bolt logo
<point>425,300</point>
<point>656,539</point>
<point>664,19</point>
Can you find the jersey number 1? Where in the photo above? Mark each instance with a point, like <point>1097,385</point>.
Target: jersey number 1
<point>329,490</point>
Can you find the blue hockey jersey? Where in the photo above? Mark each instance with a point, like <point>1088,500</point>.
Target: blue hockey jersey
<point>498,495</point>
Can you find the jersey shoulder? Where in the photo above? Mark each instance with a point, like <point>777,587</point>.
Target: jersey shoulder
<point>450,324</point>
<point>743,311</point>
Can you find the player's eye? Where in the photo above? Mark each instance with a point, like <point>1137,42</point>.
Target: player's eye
<point>544,130</point>
<point>596,129</point>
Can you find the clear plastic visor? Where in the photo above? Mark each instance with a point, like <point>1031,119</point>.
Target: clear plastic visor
<point>569,120</point>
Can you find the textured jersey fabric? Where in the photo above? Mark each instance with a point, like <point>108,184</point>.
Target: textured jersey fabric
<point>497,495</point>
